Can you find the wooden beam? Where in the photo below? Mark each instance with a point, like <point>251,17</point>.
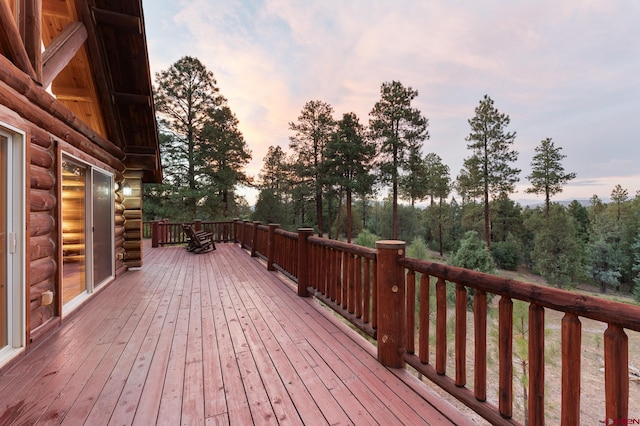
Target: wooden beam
<point>12,43</point>
<point>131,99</point>
<point>30,22</point>
<point>61,50</point>
<point>102,78</point>
<point>71,94</point>
<point>115,19</point>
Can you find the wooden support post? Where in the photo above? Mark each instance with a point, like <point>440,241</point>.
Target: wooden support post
<point>616,372</point>
<point>303,261</point>
<point>236,230</point>
<point>254,239</point>
<point>391,304</point>
<point>155,233</point>
<point>197,225</point>
<point>247,236</point>
<point>571,356</point>
<point>271,246</point>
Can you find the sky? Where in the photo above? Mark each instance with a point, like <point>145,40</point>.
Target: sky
<point>567,70</point>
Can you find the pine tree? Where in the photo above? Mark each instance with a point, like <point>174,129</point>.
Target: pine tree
<point>348,160</point>
<point>312,132</point>
<point>487,172</point>
<point>547,174</point>
<point>399,129</point>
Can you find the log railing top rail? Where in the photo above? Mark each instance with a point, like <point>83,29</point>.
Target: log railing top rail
<point>616,313</point>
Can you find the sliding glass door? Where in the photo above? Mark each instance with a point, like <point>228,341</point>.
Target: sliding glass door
<point>87,229</point>
<point>4,288</point>
<point>12,285</point>
<point>103,232</point>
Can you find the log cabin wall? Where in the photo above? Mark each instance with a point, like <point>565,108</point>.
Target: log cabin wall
<point>132,213</point>
<point>47,136</point>
<point>96,63</point>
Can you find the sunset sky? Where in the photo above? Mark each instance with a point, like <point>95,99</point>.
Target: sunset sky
<point>566,70</point>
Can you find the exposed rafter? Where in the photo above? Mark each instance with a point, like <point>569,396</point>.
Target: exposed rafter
<point>114,19</point>
<point>30,23</point>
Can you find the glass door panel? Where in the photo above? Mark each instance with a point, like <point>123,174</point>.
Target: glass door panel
<point>4,299</point>
<point>102,227</point>
<point>74,184</point>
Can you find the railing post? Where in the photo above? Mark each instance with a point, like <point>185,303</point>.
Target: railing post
<point>197,225</point>
<point>236,230</point>
<point>155,233</point>
<point>303,261</point>
<point>245,233</point>
<point>254,238</point>
<point>616,372</point>
<point>271,246</point>
<point>391,304</point>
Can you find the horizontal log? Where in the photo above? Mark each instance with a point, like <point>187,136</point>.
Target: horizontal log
<point>42,200</point>
<point>41,178</point>
<point>41,157</point>
<point>133,214</point>
<point>621,314</point>
<point>132,245</point>
<point>36,290</point>
<point>40,137</point>
<point>133,224</point>
<point>341,246</point>
<point>119,209</point>
<point>41,247</point>
<point>42,269</point>
<point>120,220</point>
<point>40,315</point>
<point>133,235</point>
<point>41,223</point>
<point>132,203</point>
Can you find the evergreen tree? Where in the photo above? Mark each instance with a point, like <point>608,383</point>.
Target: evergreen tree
<point>606,256</point>
<point>556,254</point>
<point>312,132</point>
<point>203,151</point>
<point>487,171</point>
<point>415,183</point>
<point>225,154</point>
<point>547,174</point>
<point>619,195</point>
<point>399,130</point>
<point>348,159</point>
<point>276,171</point>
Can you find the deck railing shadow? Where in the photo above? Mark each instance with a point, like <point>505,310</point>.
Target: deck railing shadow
<point>387,296</point>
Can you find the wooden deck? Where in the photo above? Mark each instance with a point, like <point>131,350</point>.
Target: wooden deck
<point>209,339</point>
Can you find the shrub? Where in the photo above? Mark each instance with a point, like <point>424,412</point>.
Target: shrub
<point>506,253</point>
<point>418,249</point>
<point>366,239</point>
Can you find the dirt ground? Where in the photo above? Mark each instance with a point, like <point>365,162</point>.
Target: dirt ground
<point>592,399</point>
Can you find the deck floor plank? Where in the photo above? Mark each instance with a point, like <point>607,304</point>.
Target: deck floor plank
<point>210,339</point>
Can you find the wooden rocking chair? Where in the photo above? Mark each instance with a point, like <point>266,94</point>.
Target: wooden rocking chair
<point>199,242</point>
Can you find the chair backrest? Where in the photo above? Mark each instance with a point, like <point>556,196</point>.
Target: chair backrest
<point>192,235</point>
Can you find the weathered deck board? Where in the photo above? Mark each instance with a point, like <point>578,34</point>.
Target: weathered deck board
<point>208,339</point>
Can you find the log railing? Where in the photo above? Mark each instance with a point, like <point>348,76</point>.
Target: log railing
<point>617,316</point>
<point>163,232</point>
<point>388,296</point>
